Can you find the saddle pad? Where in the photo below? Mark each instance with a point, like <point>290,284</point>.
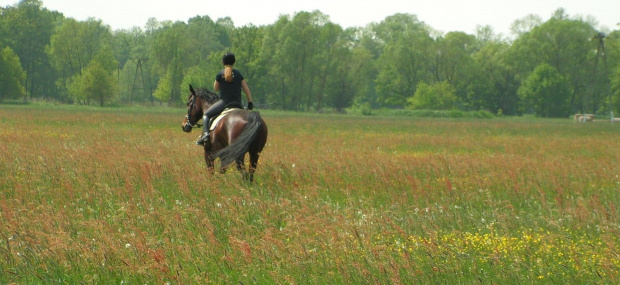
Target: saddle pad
<point>220,116</point>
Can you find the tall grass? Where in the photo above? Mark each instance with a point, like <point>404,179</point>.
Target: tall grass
<point>93,195</point>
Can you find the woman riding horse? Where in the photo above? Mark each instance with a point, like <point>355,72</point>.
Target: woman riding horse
<point>239,132</point>
<point>229,82</point>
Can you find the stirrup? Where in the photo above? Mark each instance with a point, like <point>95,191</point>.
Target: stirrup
<point>202,139</point>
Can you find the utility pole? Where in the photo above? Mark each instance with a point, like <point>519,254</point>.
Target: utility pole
<point>600,52</point>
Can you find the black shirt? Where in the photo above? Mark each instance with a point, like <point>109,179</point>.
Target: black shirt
<point>230,91</point>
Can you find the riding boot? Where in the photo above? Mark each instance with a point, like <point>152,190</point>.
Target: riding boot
<point>204,137</point>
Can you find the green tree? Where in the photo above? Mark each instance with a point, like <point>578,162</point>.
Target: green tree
<point>349,72</point>
<point>453,63</point>
<point>486,35</point>
<point>123,42</point>
<point>362,73</point>
<point>615,90</point>
<point>171,56</point>
<point>404,61</point>
<point>546,92</point>
<point>201,75</point>
<point>74,45</point>
<point>205,37</point>
<point>11,75</point>
<point>366,37</point>
<point>28,28</point>
<point>438,96</point>
<point>277,71</point>
<point>497,82</point>
<point>224,27</point>
<point>98,79</point>
<point>131,49</point>
<point>365,49</point>
<point>299,45</point>
<point>520,27</point>
<point>246,44</point>
<point>612,48</point>
<point>4,33</point>
<point>75,90</point>
<point>565,44</point>
<point>99,83</point>
<point>294,48</point>
<point>164,89</point>
<point>329,69</point>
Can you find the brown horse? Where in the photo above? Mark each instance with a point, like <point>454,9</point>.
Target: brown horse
<point>238,132</point>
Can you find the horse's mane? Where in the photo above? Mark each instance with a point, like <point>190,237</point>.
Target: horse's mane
<point>207,95</point>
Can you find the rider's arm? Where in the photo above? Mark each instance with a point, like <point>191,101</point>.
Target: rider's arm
<point>246,90</point>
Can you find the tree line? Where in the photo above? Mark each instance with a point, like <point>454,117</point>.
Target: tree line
<point>304,62</point>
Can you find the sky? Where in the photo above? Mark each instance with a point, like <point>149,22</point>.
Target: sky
<point>442,15</point>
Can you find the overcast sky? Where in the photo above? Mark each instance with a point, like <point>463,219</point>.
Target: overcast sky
<point>443,15</point>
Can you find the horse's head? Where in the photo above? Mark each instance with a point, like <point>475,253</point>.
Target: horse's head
<point>194,111</point>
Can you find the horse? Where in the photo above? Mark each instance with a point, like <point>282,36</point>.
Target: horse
<point>238,132</point>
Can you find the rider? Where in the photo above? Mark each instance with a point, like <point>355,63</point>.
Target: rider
<point>229,82</point>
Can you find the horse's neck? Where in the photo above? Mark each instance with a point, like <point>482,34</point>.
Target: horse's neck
<point>205,106</point>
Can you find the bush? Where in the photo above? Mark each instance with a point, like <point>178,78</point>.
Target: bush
<point>482,114</point>
<point>360,109</point>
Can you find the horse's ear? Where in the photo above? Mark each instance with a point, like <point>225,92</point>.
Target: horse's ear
<point>191,89</point>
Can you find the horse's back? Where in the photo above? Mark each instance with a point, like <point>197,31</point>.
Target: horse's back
<point>244,131</point>
<point>238,121</point>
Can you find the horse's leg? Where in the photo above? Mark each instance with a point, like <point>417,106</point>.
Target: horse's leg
<point>241,166</point>
<point>209,160</point>
<point>253,163</point>
<point>255,150</point>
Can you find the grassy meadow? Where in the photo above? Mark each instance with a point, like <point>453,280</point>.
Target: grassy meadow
<point>121,196</point>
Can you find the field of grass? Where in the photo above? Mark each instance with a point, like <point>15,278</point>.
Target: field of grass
<point>121,196</point>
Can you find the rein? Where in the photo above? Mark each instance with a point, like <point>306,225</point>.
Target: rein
<point>189,110</point>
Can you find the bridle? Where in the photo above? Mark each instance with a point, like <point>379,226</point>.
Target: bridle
<point>191,104</point>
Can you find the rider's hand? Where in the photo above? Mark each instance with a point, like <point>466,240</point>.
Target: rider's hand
<point>250,106</point>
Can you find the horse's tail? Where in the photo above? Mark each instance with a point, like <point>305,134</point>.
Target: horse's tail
<point>241,145</point>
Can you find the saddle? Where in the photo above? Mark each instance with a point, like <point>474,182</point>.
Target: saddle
<point>229,108</point>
